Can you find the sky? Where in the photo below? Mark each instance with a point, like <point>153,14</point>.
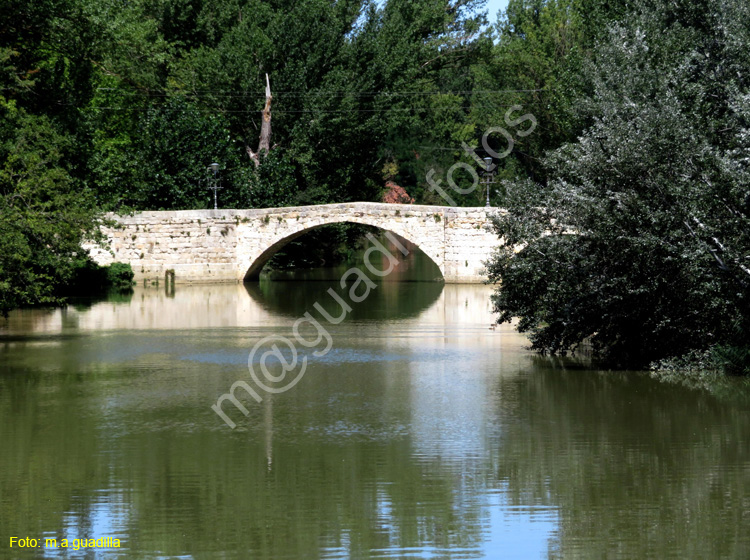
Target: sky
<point>494,6</point>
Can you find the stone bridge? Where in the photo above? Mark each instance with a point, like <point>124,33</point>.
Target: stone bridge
<point>233,245</point>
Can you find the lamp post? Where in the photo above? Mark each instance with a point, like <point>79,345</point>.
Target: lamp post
<point>488,175</point>
<point>214,181</point>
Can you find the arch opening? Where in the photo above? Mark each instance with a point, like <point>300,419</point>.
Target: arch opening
<point>414,264</point>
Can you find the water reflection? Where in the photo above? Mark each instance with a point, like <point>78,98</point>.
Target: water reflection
<point>389,301</point>
<point>662,471</point>
<point>422,434</point>
<point>225,305</point>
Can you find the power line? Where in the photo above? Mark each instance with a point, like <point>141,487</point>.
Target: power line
<point>311,93</point>
<point>323,111</point>
<point>328,111</point>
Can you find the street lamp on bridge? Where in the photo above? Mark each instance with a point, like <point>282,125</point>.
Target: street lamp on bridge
<point>213,181</point>
<point>489,175</point>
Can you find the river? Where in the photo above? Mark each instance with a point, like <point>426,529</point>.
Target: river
<point>420,433</point>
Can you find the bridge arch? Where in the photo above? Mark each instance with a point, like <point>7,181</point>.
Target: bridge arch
<point>274,243</point>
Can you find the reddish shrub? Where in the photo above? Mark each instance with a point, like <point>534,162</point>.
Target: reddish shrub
<point>396,194</point>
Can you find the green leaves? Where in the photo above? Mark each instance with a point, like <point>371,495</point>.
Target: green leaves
<point>44,214</point>
<point>639,247</point>
<point>351,82</point>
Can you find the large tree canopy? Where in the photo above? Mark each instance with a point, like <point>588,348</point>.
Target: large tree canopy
<point>45,208</point>
<point>640,243</point>
<point>350,81</point>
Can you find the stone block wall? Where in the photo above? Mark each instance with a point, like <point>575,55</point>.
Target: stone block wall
<point>233,245</point>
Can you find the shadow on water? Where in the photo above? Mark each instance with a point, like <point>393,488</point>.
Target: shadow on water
<point>84,303</point>
<point>388,301</point>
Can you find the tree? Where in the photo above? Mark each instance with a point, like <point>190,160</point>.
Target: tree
<point>162,165</point>
<point>46,209</point>
<point>44,212</point>
<point>354,83</point>
<point>639,244</point>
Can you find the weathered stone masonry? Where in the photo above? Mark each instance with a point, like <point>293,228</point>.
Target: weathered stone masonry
<point>233,245</point>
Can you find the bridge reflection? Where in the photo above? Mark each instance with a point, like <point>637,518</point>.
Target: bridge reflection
<point>388,301</point>
<point>268,304</point>
<point>249,305</point>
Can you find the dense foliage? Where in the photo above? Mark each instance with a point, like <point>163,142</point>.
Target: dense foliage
<point>178,85</point>
<point>90,278</point>
<point>44,212</point>
<point>639,242</point>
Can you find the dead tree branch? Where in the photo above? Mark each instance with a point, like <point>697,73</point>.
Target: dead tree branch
<point>264,144</point>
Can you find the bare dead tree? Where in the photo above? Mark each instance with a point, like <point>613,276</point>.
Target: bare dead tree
<point>264,144</point>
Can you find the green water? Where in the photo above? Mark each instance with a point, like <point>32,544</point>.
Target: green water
<point>421,433</point>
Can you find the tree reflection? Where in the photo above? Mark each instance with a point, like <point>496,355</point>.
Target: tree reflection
<point>632,464</point>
